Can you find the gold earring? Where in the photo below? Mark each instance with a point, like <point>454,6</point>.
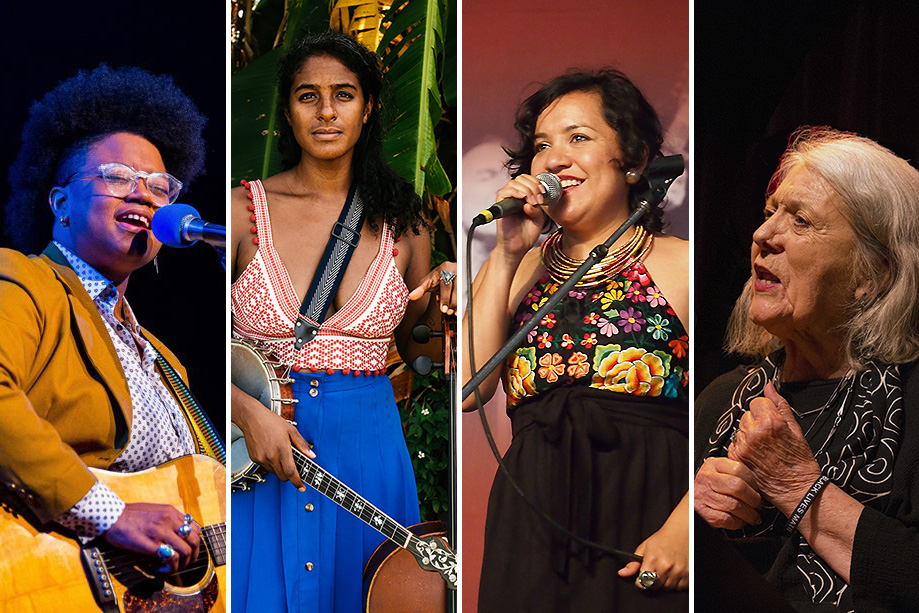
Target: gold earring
<point>632,177</point>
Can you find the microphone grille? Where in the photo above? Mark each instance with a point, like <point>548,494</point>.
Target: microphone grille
<point>168,221</point>
<point>553,186</point>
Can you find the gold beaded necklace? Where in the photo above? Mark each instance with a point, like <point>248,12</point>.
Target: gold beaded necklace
<point>561,266</point>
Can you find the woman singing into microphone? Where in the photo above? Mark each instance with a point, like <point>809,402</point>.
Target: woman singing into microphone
<point>598,393</point>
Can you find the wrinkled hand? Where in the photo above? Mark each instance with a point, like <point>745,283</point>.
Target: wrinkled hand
<point>269,438</point>
<point>432,281</point>
<point>143,527</point>
<point>725,494</point>
<point>770,443</point>
<point>665,552</point>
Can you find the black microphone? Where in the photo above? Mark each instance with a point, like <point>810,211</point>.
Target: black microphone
<point>508,206</point>
<point>180,225</point>
<point>665,168</point>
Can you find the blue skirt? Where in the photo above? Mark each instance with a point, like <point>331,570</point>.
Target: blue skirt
<point>300,552</point>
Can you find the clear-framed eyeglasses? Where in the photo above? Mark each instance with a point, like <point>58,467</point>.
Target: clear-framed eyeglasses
<point>121,180</point>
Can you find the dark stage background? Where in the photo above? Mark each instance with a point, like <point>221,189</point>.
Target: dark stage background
<point>761,70</point>
<point>185,304</point>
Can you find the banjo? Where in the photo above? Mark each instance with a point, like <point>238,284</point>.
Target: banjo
<point>254,371</point>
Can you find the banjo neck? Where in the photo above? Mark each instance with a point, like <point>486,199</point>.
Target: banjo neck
<point>323,482</point>
<point>430,553</point>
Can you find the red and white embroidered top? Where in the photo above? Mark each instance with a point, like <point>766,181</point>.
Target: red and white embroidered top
<point>265,306</point>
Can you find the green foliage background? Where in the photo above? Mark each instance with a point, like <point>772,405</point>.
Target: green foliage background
<point>418,55</point>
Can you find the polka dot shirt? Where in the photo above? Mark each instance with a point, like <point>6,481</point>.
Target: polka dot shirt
<point>159,431</point>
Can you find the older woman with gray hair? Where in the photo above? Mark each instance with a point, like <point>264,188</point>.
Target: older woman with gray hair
<point>812,462</point>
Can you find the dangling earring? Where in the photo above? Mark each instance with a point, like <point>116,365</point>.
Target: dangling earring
<point>632,176</point>
<point>65,221</point>
<point>156,264</point>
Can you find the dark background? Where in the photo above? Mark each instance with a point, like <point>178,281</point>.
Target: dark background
<point>185,305</point>
<point>761,70</point>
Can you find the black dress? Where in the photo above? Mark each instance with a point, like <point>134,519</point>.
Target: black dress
<point>598,403</point>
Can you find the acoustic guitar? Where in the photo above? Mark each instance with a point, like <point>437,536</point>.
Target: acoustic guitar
<point>44,570</point>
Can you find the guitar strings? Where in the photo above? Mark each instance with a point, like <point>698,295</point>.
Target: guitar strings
<point>121,561</point>
<point>127,563</point>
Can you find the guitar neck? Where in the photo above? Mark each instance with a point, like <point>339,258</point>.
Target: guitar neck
<point>215,539</point>
<point>342,495</point>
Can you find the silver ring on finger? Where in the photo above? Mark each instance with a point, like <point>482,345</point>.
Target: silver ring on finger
<point>446,277</point>
<point>647,579</point>
<point>184,530</point>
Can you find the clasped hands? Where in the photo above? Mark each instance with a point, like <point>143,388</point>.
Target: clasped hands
<point>768,460</point>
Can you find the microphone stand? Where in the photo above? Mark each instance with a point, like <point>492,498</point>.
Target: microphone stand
<point>657,189</point>
<point>659,175</point>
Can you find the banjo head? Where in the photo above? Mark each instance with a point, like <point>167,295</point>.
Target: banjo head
<point>251,372</point>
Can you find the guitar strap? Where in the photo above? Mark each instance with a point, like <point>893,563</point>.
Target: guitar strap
<point>203,430</point>
<point>346,234</point>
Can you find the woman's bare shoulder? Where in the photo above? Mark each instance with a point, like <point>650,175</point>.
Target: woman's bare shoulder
<point>277,183</point>
<point>672,246</point>
<point>530,270</point>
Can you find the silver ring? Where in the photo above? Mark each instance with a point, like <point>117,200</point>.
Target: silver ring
<point>446,277</point>
<point>647,579</point>
<point>164,552</point>
<point>184,530</point>
<point>187,519</point>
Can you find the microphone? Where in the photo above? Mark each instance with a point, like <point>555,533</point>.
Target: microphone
<point>180,225</point>
<point>657,178</point>
<point>508,206</point>
<point>665,168</point>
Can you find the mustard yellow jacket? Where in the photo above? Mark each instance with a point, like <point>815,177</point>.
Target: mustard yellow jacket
<point>64,400</point>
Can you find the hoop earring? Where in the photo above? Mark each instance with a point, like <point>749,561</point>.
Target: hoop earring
<point>632,177</point>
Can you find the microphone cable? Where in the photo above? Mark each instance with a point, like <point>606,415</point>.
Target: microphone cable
<point>659,175</point>
<point>624,555</point>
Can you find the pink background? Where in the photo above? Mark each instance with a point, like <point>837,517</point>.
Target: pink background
<point>510,47</point>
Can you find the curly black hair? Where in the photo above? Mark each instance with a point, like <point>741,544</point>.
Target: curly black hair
<point>82,110</point>
<point>386,195</point>
<point>626,111</point>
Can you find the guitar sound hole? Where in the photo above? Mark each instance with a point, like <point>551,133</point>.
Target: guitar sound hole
<point>141,575</point>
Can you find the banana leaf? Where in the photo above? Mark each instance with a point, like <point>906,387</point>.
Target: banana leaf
<point>253,98</point>
<point>411,50</point>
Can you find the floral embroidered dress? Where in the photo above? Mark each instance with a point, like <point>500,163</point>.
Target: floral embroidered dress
<point>622,336</point>
<point>598,398</point>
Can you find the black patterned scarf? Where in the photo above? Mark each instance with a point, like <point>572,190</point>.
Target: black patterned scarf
<point>857,455</point>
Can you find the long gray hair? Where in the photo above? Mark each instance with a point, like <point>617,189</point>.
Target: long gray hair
<point>880,200</point>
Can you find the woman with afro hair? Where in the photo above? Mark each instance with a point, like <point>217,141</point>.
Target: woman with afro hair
<point>81,383</point>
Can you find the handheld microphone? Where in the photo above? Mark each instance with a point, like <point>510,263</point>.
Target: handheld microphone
<point>508,206</point>
<point>180,225</point>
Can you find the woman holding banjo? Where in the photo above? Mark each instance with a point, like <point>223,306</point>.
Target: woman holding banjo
<point>293,549</point>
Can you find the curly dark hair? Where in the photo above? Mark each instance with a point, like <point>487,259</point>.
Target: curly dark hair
<point>82,110</point>
<point>635,121</point>
<point>386,195</point>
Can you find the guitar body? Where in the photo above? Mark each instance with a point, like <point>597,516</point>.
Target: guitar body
<point>44,571</point>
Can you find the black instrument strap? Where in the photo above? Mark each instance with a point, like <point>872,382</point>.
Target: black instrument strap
<point>346,234</point>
